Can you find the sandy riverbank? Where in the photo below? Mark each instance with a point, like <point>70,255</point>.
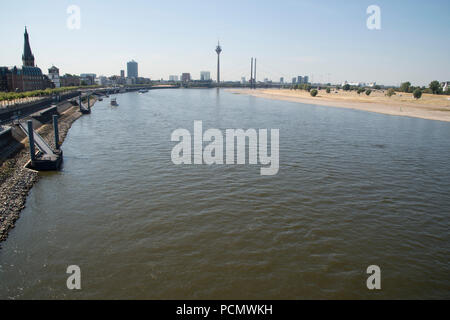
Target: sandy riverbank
<point>432,107</point>
<point>16,181</point>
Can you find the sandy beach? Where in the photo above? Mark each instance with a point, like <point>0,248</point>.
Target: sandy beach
<point>431,107</point>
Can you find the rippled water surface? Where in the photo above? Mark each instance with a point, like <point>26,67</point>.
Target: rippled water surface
<point>354,189</point>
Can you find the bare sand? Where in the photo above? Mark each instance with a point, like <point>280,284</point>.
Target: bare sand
<point>431,107</point>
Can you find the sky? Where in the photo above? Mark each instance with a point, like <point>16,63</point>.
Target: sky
<point>327,40</point>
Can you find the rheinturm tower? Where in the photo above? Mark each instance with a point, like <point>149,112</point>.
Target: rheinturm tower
<point>27,56</point>
<point>218,50</point>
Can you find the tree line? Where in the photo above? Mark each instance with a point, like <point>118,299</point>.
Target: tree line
<point>10,96</point>
<point>433,88</point>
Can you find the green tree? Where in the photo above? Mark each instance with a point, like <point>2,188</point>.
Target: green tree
<point>313,92</point>
<point>404,87</point>
<point>417,93</point>
<point>390,92</point>
<point>346,87</point>
<point>435,87</point>
<point>328,90</point>
<point>368,92</point>
<point>360,90</point>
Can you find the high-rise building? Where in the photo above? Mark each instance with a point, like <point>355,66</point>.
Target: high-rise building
<point>132,69</point>
<point>173,78</point>
<point>205,75</point>
<point>299,79</point>
<point>281,80</point>
<point>305,79</point>
<point>294,80</point>
<point>243,81</point>
<point>185,77</point>
<point>122,73</point>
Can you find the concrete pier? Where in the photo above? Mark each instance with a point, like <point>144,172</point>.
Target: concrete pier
<point>55,127</point>
<point>47,159</point>
<point>84,109</point>
<point>31,140</point>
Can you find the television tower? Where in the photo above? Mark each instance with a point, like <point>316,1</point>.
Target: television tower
<point>218,51</point>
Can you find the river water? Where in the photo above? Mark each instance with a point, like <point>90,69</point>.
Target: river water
<point>354,189</point>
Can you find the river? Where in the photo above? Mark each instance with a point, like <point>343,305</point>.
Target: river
<point>354,189</point>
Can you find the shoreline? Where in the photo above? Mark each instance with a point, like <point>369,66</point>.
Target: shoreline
<point>16,181</point>
<point>431,108</point>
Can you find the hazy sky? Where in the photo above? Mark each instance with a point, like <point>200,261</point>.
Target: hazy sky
<point>327,40</point>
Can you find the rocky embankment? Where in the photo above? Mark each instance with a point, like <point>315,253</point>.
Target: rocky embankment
<point>16,180</point>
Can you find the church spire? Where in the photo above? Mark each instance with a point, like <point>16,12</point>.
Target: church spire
<point>27,57</point>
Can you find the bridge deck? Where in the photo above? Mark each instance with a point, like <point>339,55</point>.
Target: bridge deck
<point>38,140</point>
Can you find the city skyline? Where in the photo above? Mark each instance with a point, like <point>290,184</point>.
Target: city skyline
<point>403,50</point>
